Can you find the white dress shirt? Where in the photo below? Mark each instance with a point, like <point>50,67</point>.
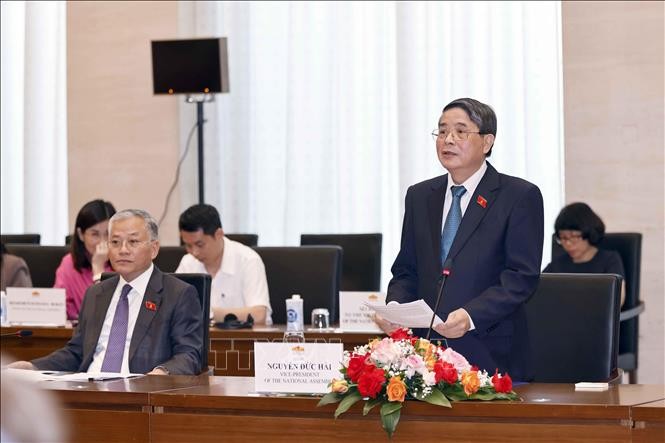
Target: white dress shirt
<point>135,299</point>
<point>470,185</point>
<point>240,282</point>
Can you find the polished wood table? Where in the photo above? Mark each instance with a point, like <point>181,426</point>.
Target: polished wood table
<point>113,411</point>
<point>228,410</point>
<point>207,409</point>
<point>649,421</point>
<point>231,350</point>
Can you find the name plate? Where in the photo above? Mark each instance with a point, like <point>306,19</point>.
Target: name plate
<point>354,315</point>
<point>36,306</point>
<point>303,368</point>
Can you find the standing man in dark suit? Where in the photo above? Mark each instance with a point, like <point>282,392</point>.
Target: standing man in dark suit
<point>141,321</point>
<point>490,226</point>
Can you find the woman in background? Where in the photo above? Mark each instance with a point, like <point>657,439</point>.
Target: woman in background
<point>579,231</point>
<point>88,257</point>
<point>14,273</point>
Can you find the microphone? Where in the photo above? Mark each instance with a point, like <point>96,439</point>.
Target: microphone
<point>20,333</point>
<point>445,272</point>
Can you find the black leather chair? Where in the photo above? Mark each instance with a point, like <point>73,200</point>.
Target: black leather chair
<point>361,262</point>
<point>33,239</point>
<point>202,283</point>
<point>245,239</point>
<point>311,271</point>
<point>629,247</point>
<point>169,257</point>
<point>41,260</point>
<point>573,324</point>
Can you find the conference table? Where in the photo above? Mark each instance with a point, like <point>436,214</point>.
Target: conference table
<point>213,408</point>
<point>224,407</point>
<point>231,350</point>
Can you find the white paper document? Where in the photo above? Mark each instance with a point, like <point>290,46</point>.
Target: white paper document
<point>35,376</point>
<point>416,314</point>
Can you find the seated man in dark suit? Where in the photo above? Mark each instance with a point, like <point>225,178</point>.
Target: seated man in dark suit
<point>490,227</point>
<point>141,321</point>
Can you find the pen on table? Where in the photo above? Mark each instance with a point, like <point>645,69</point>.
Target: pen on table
<point>104,378</point>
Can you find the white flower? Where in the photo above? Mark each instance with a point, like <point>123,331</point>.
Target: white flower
<point>484,378</point>
<point>429,377</point>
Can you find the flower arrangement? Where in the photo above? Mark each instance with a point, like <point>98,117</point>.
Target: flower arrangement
<point>389,371</point>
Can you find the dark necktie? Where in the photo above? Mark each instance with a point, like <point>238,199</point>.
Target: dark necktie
<point>116,344</point>
<point>453,220</point>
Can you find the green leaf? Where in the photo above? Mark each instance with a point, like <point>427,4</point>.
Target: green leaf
<point>330,397</point>
<point>390,413</point>
<point>347,402</point>
<point>390,406</point>
<point>436,397</point>
<point>370,404</point>
<point>482,396</point>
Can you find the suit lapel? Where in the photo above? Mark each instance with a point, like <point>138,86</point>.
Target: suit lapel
<point>152,297</point>
<point>435,213</point>
<point>102,302</point>
<point>487,189</point>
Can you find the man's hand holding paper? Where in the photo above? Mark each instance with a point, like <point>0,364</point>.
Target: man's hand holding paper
<point>415,314</point>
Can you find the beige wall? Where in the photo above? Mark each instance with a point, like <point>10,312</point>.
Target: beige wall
<point>123,141</point>
<point>613,114</point>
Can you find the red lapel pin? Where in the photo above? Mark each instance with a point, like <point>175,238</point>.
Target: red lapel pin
<point>150,305</point>
<point>481,201</point>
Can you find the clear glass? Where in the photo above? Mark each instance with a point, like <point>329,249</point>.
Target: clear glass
<point>320,318</point>
<point>294,337</point>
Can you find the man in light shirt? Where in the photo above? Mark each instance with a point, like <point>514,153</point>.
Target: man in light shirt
<point>140,321</point>
<point>239,284</point>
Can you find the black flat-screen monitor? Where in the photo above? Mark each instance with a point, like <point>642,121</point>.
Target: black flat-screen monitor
<point>194,66</point>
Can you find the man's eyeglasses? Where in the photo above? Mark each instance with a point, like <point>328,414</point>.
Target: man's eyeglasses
<point>131,243</point>
<point>457,135</point>
<point>574,238</point>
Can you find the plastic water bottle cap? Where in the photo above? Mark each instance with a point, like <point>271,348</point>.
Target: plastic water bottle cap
<point>295,297</point>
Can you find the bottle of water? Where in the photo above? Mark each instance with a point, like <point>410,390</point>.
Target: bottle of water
<point>294,318</point>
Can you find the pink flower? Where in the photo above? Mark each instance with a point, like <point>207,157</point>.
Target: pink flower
<point>386,352</point>
<point>412,364</point>
<point>457,360</point>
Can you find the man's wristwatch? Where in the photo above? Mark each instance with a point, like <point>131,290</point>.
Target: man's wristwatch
<point>163,368</point>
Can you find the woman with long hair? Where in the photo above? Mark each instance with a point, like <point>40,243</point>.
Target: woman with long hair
<point>88,256</point>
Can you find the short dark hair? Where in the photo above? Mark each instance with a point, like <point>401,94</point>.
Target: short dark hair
<point>580,217</point>
<point>200,216</point>
<point>481,114</point>
<point>91,213</point>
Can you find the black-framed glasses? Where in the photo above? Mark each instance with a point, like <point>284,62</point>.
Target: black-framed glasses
<point>457,134</point>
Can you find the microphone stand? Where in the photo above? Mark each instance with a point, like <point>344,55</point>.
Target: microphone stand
<point>444,276</point>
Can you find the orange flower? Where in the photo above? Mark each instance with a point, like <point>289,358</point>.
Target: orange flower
<point>396,389</point>
<point>339,386</point>
<point>471,382</point>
